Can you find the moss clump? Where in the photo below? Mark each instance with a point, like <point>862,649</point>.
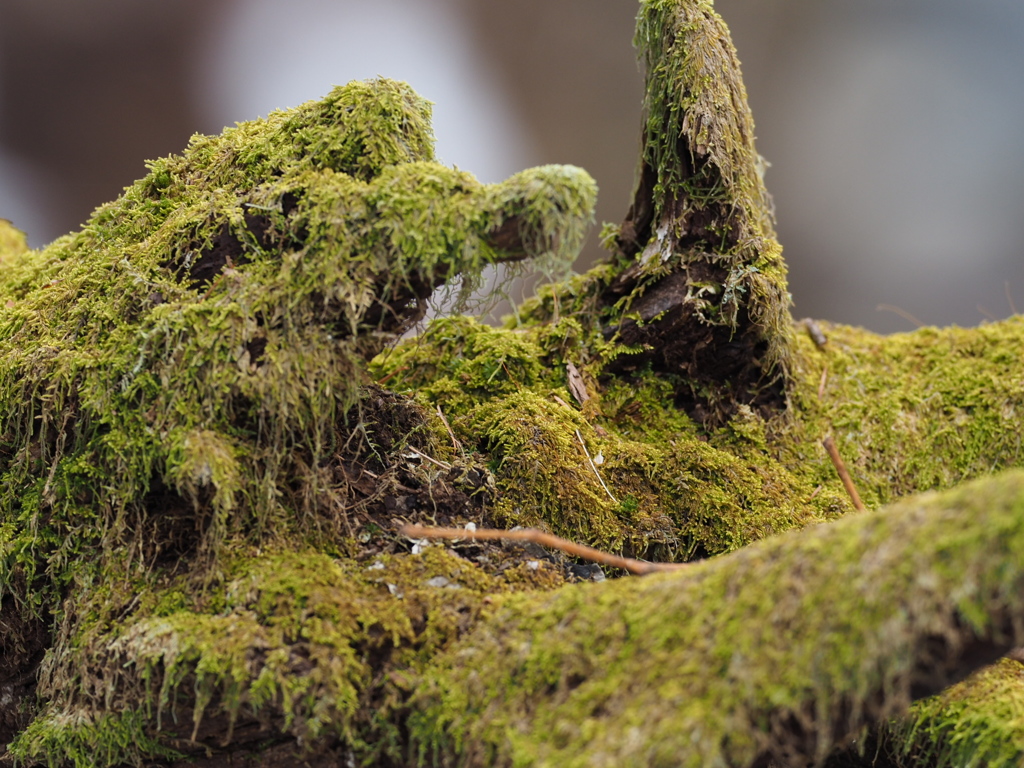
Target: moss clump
<point>290,643</point>
<point>183,380</point>
<point>208,330</point>
<point>910,412</point>
<point>977,722</point>
<point>773,652</point>
<point>691,493</point>
<point>85,739</point>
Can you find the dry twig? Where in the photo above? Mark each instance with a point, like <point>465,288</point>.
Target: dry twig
<point>814,331</point>
<point>422,455</point>
<point>532,535</point>
<point>837,461</point>
<point>901,312</point>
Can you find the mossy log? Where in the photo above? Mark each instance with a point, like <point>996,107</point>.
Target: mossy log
<point>212,435</point>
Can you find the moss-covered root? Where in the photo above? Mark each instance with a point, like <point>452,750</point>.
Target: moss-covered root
<point>703,282</point>
<point>782,650</point>
<point>207,333</point>
<point>979,722</point>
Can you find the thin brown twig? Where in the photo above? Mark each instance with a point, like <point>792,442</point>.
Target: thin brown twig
<point>988,315</point>
<point>901,312</point>
<point>560,401</point>
<point>395,372</point>
<point>823,382</point>
<point>549,540</point>
<point>837,461</point>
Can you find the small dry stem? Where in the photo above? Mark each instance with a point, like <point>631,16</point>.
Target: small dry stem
<point>532,535</point>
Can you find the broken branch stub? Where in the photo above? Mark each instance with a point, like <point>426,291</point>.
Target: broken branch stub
<point>702,289</point>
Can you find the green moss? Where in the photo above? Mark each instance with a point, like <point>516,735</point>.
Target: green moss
<point>12,241</point>
<point>187,429</point>
<point>500,390</point>
<point>911,412</point>
<point>83,739</point>
<point>209,329</point>
<point>714,665</point>
<point>183,381</point>
<point>977,722</point>
<point>287,644</point>
<point>694,91</point>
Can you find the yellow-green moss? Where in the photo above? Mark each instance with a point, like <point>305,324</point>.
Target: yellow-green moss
<point>912,411</point>
<point>287,642</point>
<point>766,652</point>
<point>979,722</point>
<point>12,241</point>
<point>180,382</point>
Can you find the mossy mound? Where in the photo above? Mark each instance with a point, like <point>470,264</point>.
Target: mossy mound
<point>663,488</point>
<point>777,652</point>
<point>184,390</point>
<point>202,482</point>
<point>910,413</point>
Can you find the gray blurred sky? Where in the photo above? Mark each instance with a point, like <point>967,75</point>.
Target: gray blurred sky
<point>893,126</point>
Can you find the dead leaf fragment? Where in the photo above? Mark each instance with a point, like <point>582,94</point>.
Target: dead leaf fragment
<point>576,386</point>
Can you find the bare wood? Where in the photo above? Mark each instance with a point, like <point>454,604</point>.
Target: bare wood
<point>575,382</point>
<point>532,535</point>
<point>837,461</point>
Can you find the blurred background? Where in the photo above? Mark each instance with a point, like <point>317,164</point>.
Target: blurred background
<point>895,128</point>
